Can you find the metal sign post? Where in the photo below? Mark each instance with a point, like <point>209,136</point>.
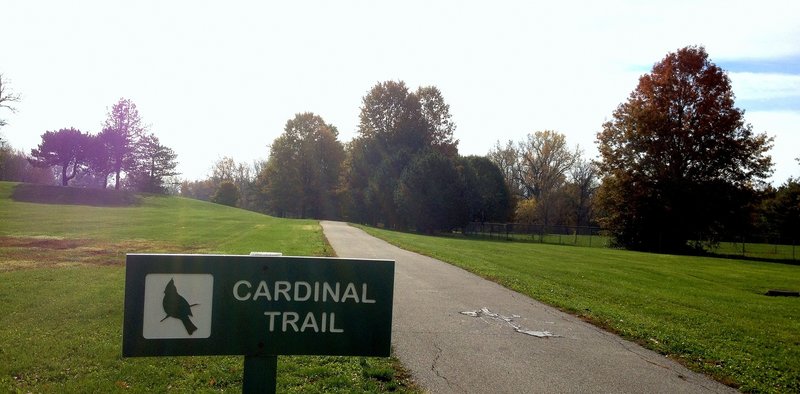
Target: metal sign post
<point>256,306</point>
<point>260,374</point>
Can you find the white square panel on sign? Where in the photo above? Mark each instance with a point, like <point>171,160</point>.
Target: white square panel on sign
<point>177,306</point>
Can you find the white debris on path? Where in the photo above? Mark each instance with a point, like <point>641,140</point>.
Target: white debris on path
<point>486,313</point>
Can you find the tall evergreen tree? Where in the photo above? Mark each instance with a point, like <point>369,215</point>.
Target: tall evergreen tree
<point>154,164</point>
<point>123,129</point>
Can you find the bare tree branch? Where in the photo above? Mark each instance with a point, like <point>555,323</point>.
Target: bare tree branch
<point>6,96</point>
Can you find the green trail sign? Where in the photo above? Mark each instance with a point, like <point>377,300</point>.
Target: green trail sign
<point>259,307</point>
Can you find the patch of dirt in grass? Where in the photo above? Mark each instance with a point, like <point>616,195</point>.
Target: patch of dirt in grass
<point>50,252</point>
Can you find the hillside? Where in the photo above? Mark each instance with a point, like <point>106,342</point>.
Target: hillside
<point>154,223</point>
<point>62,283</point>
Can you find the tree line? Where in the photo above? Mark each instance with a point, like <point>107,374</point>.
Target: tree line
<point>123,153</point>
<point>678,165</point>
<point>402,170</point>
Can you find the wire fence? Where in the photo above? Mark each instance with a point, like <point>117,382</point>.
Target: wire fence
<point>758,246</point>
<point>560,235</point>
<point>755,246</point>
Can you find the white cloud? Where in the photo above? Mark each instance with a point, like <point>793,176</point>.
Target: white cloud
<point>764,86</point>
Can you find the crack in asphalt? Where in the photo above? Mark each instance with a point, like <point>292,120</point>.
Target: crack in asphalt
<point>436,371</point>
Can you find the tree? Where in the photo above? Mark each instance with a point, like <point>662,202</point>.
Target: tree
<point>395,126</point>
<point>486,192</point>
<point>227,194</point>
<point>430,194</point>
<point>65,148</point>
<point>782,211</point>
<point>199,190</point>
<point>505,158</point>
<point>5,150</point>
<point>15,167</point>
<point>542,164</point>
<point>391,114</point>
<point>678,159</point>
<point>123,128</point>
<point>436,114</point>
<point>279,179</point>
<point>543,161</point>
<point>153,164</point>
<point>580,191</point>
<point>7,97</point>
<point>301,177</point>
<point>526,211</point>
<point>244,179</point>
<point>98,156</point>
<point>224,169</point>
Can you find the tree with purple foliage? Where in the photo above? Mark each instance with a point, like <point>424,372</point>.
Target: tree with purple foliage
<point>64,148</point>
<point>123,128</point>
<point>99,157</point>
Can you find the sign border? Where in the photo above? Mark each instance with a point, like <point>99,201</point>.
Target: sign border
<point>139,265</point>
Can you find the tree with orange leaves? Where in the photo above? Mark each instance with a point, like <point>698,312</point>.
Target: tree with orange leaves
<point>678,160</point>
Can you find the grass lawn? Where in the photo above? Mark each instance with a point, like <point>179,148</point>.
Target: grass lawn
<point>709,313</point>
<point>61,298</point>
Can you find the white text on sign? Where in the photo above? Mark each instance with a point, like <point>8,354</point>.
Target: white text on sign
<point>301,291</point>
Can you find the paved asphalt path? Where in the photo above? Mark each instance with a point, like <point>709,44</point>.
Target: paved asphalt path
<point>449,352</point>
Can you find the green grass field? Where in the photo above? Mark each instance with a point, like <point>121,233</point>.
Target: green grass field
<point>61,298</point>
<point>709,313</point>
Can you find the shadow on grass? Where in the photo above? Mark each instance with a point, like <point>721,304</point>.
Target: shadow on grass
<point>46,194</point>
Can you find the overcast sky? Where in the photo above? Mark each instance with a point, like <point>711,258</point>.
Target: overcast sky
<point>218,79</point>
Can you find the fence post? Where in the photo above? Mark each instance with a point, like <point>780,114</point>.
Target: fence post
<point>744,241</point>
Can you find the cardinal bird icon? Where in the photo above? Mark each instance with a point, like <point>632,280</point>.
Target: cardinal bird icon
<point>176,306</point>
